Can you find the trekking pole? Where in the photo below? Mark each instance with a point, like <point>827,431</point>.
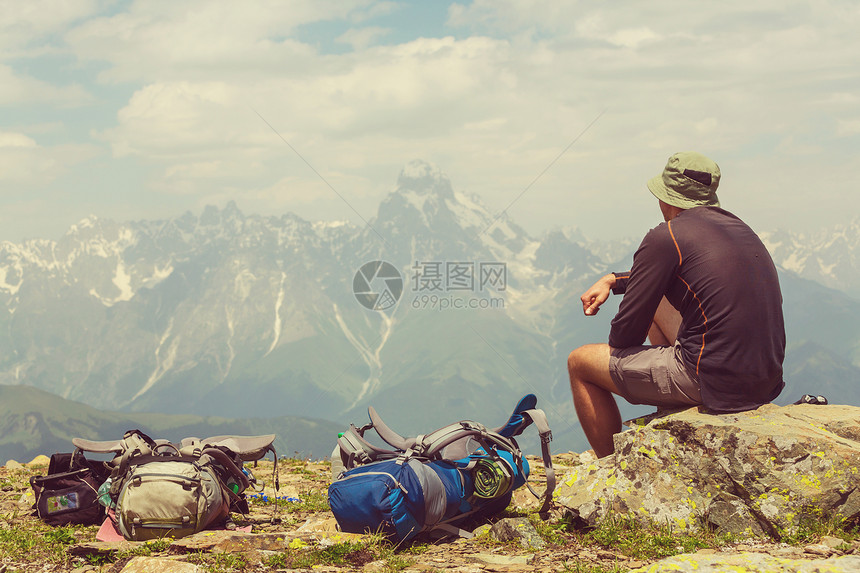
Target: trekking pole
<point>277,485</point>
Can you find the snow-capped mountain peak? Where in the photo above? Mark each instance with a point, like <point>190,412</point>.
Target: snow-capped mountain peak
<point>829,257</point>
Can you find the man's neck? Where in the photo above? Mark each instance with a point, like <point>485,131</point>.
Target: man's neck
<point>670,211</point>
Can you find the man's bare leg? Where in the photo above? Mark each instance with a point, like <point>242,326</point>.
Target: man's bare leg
<point>664,329</point>
<point>592,388</point>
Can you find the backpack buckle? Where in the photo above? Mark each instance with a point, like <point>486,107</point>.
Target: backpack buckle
<point>474,426</point>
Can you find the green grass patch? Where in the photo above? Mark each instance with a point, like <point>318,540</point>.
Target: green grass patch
<point>146,549</point>
<point>813,524</point>
<point>347,554</point>
<point>415,548</point>
<point>553,532</point>
<point>312,501</point>
<point>655,541</point>
<point>36,543</point>
<point>296,466</point>
<point>219,562</point>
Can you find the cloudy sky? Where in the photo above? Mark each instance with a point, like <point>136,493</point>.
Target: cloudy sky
<point>558,111</point>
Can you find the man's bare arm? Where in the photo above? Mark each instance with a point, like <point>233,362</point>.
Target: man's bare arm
<point>597,294</point>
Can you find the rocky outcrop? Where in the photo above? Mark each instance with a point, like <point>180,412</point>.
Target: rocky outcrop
<point>750,563</point>
<point>758,473</point>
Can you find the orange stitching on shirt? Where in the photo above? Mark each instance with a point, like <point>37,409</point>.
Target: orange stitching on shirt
<point>680,258</point>
<point>704,324</point>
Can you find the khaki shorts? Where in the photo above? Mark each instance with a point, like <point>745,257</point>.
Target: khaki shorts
<point>654,375</point>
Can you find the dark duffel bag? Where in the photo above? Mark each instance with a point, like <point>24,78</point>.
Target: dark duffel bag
<point>69,493</point>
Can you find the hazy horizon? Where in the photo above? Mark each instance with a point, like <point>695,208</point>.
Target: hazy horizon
<point>648,219</point>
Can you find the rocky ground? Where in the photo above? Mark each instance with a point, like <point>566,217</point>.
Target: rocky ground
<point>298,532</point>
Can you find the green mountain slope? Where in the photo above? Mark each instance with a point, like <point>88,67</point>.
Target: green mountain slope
<point>810,368</point>
<point>34,422</point>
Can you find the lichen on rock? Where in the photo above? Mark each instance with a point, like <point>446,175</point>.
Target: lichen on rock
<point>753,473</point>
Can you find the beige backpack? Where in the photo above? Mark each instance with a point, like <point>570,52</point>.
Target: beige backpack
<point>160,489</point>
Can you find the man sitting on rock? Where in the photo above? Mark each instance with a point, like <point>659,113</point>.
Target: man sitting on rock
<point>704,290</point>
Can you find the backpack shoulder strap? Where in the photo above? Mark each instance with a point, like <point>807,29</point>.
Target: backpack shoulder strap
<point>526,413</point>
<point>390,436</point>
<point>538,417</point>
<point>518,422</point>
<point>106,447</point>
<point>459,440</point>
<point>218,455</point>
<point>431,444</point>
<point>355,450</point>
<point>134,445</point>
<point>248,448</point>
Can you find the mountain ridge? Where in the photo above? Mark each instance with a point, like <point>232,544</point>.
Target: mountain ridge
<point>254,316</point>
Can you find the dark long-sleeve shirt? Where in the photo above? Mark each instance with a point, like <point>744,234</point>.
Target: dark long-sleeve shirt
<point>715,270</point>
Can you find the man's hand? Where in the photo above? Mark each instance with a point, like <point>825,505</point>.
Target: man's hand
<point>597,295</point>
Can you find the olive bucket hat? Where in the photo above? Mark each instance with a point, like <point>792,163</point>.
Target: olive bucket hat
<point>689,180</point>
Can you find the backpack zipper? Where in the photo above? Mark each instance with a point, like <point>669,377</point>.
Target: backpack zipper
<point>175,477</point>
<point>394,479</point>
<point>161,525</point>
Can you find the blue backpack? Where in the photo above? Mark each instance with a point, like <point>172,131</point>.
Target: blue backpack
<point>432,482</point>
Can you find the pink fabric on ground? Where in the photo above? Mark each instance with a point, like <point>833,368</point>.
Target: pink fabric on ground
<point>108,531</point>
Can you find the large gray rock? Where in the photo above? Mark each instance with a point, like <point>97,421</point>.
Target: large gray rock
<point>518,529</point>
<point>754,473</point>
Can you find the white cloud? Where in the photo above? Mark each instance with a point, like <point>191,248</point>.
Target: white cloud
<point>388,93</point>
<point>9,139</point>
<point>707,126</point>
<point>198,170</point>
<point>492,106</point>
<point>25,26</point>
<point>202,39</point>
<point>25,164</point>
<point>632,37</point>
<point>174,120</point>
<point>848,127</point>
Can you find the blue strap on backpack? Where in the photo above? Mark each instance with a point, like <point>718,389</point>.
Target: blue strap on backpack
<point>432,482</point>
